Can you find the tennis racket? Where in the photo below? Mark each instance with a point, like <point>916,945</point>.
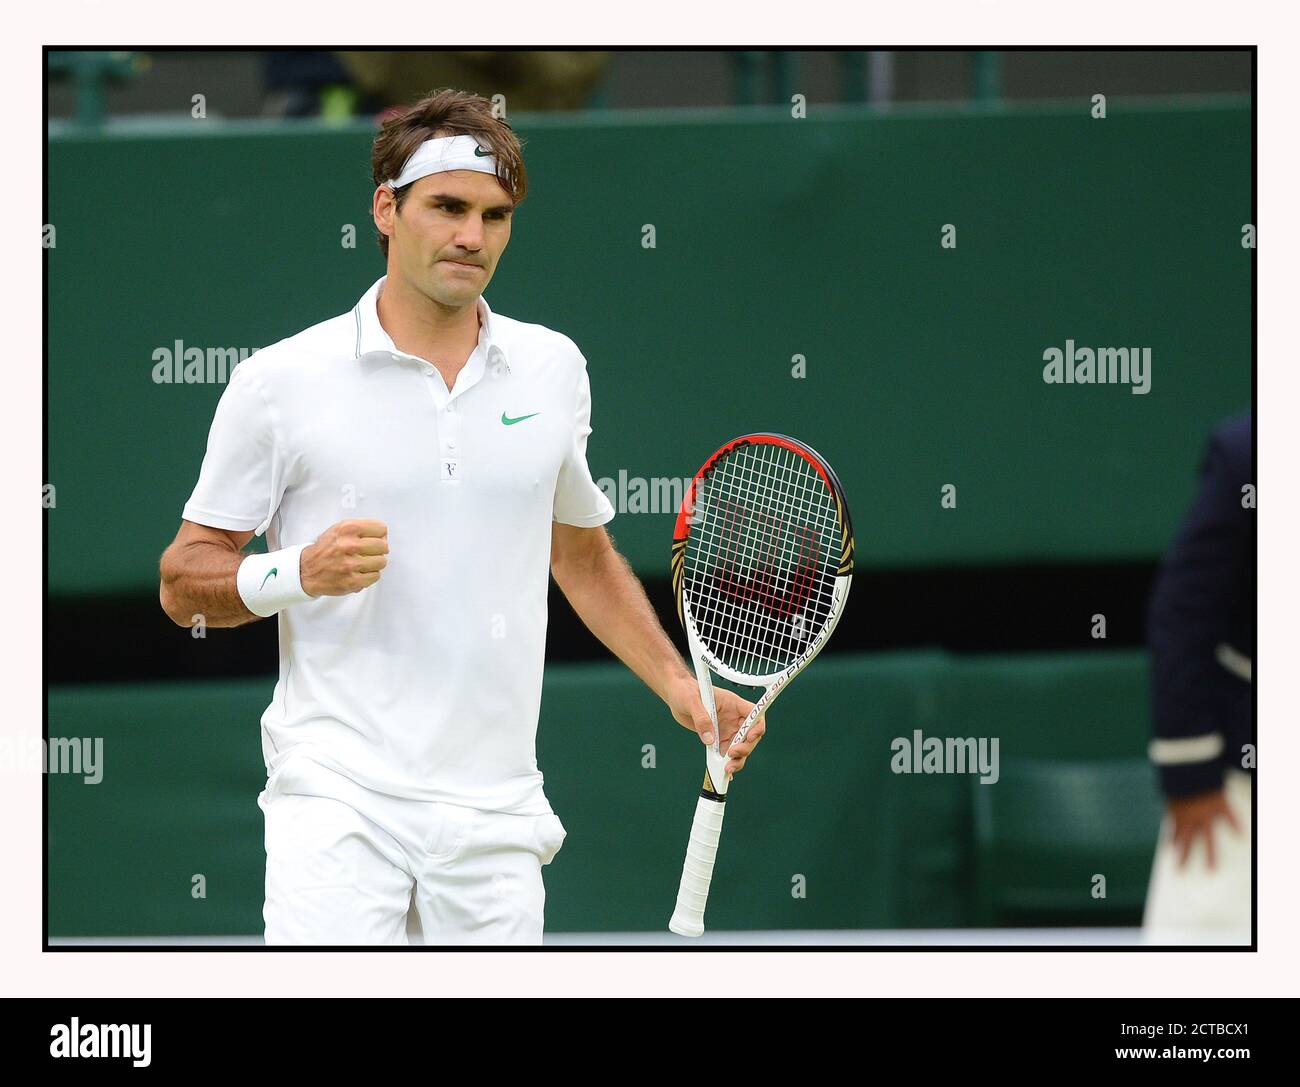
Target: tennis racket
<point>762,563</point>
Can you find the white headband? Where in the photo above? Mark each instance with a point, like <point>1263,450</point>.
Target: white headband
<point>445,153</point>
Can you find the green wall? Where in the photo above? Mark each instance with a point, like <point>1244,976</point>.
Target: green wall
<point>876,849</point>
<point>775,237</point>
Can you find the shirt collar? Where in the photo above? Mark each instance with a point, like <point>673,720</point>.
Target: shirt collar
<point>372,336</point>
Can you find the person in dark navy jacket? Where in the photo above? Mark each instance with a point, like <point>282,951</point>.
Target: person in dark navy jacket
<point>1201,633</point>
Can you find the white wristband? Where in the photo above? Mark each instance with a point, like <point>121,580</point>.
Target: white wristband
<point>267,583</point>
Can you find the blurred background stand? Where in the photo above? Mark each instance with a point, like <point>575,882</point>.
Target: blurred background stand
<point>530,80</point>
<point>311,83</point>
<point>90,72</point>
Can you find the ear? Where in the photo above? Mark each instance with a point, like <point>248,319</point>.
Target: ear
<point>384,209</point>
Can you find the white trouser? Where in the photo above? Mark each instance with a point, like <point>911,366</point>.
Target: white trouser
<point>345,865</point>
<point>1193,904</point>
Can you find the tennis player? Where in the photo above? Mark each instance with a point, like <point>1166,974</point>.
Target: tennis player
<point>417,465</point>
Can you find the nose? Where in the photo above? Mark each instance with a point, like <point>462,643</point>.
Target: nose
<point>470,235</point>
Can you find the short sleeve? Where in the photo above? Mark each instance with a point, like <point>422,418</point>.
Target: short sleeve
<point>578,501</point>
<point>238,487</point>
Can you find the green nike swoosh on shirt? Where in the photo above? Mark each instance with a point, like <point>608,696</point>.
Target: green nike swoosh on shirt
<point>518,419</point>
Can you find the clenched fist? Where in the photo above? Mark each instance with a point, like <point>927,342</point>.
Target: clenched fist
<point>345,558</point>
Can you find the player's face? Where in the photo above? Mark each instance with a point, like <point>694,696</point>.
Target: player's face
<point>450,233</point>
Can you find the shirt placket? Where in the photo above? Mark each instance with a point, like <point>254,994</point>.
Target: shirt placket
<point>449,442</point>
<point>447,412</point>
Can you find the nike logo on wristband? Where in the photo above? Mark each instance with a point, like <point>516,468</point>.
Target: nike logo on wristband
<point>273,571</point>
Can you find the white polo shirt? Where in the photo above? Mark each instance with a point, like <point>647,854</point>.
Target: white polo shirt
<point>426,685</point>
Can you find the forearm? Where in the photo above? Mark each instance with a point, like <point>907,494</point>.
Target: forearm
<point>607,596</point>
<point>200,579</point>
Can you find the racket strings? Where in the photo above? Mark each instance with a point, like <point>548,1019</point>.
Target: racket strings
<point>761,558</point>
<point>766,560</point>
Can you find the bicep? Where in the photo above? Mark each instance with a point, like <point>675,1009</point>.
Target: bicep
<point>575,548</point>
<point>192,533</point>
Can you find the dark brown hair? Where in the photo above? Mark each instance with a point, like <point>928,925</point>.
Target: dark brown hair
<point>447,113</point>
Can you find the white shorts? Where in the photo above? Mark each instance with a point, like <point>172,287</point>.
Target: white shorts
<point>1194,905</point>
<point>346,865</point>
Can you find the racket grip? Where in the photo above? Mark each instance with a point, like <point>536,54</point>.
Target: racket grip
<point>697,872</point>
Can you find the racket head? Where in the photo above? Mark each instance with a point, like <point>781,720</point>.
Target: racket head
<point>762,557</point>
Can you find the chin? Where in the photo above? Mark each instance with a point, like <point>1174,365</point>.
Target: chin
<point>459,294</point>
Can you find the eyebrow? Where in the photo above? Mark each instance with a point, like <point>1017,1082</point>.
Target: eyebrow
<point>447,198</point>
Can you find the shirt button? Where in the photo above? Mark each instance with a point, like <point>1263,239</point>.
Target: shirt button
<point>451,409</point>
<point>451,443</point>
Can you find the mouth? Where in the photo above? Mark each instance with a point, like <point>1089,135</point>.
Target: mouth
<point>463,264</point>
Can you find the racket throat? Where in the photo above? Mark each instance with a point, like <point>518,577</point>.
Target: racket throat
<point>715,776</point>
